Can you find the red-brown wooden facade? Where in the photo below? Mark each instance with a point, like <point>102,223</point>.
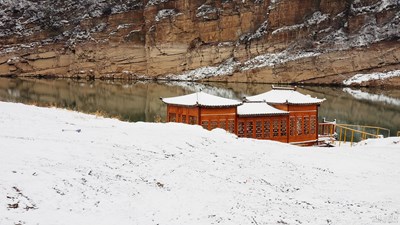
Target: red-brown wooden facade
<point>302,121</point>
<point>208,117</point>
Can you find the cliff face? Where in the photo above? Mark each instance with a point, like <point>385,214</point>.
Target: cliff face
<point>248,40</point>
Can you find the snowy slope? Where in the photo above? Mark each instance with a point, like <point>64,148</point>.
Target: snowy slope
<point>113,172</point>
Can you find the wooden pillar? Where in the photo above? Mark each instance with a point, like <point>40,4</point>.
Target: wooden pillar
<point>317,124</point>
<point>287,128</point>
<point>199,115</point>
<point>236,122</point>
<point>168,109</point>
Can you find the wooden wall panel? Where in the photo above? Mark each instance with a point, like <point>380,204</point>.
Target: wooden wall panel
<point>224,118</point>
<point>182,114</point>
<point>264,127</point>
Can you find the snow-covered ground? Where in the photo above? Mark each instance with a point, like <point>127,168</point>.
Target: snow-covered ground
<point>63,167</point>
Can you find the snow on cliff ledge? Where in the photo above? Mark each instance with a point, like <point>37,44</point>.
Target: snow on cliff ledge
<point>62,167</point>
<point>359,78</point>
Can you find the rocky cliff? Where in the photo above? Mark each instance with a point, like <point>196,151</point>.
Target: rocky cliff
<point>302,41</point>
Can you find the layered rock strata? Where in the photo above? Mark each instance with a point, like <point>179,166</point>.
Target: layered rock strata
<point>311,41</point>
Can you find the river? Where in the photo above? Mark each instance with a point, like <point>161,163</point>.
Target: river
<point>139,101</point>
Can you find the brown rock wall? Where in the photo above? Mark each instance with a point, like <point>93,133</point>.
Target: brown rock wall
<point>331,68</point>
<point>146,42</point>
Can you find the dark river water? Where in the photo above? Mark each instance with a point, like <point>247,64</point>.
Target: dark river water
<point>139,101</point>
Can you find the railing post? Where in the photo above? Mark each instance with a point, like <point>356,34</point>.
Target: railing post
<point>352,138</point>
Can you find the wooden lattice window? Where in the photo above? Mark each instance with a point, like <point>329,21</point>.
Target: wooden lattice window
<point>267,129</point>
<point>249,129</point>
<point>172,117</point>
<point>299,126</point>
<point>241,129</point>
<point>192,119</point>
<point>183,118</point>
<point>258,129</point>
<point>231,126</point>
<point>222,124</point>
<point>204,124</point>
<point>306,125</point>
<point>292,126</point>
<point>313,125</point>
<point>275,128</point>
<point>213,124</point>
<point>283,127</point>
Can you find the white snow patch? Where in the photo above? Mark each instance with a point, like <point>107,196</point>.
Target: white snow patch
<point>124,26</point>
<point>156,2</point>
<point>315,19</point>
<point>272,4</point>
<point>273,59</point>
<point>379,6</point>
<point>204,10</point>
<point>261,31</point>
<point>165,13</point>
<point>359,78</point>
<point>225,68</point>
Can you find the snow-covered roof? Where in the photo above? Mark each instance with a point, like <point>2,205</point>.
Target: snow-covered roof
<point>201,99</point>
<point>258,108</point>
<point>281,96</point>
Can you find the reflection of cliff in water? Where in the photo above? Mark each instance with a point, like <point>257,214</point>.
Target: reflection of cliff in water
<point>140,101</point>
<point>346,107</point>
<point>133,102</point>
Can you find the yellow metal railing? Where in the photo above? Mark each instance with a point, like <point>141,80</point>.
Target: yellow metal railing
<point>333,132</point>
<point>373,129</point>
<point>344,130</point>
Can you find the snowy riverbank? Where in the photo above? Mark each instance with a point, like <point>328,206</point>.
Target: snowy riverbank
<point>113,172</point>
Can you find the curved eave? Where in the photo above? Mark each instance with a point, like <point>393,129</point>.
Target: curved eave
<point>191,106</point>
<point>287,103</point>
<point>219,106</point>
<point>291,103</point>
<point>264,114</point>
<point>204,106</point>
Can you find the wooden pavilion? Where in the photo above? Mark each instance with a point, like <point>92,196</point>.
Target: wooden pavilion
<point>282,114</point>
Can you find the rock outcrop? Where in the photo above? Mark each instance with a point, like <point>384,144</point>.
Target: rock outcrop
<point>302,41</point>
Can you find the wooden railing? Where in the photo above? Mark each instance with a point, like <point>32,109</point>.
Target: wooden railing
<point>327,132</point>
<point>343,133</point>
<point>398,133</point>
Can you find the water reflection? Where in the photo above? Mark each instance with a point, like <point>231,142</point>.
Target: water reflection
<point>139,101</point>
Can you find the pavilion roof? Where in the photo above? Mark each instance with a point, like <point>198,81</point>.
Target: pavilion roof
<point>201,99</point>
<point>258,109</point>
<point>282,96</point>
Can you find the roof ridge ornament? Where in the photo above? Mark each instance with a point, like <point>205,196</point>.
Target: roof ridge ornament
<point>284,88</point>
